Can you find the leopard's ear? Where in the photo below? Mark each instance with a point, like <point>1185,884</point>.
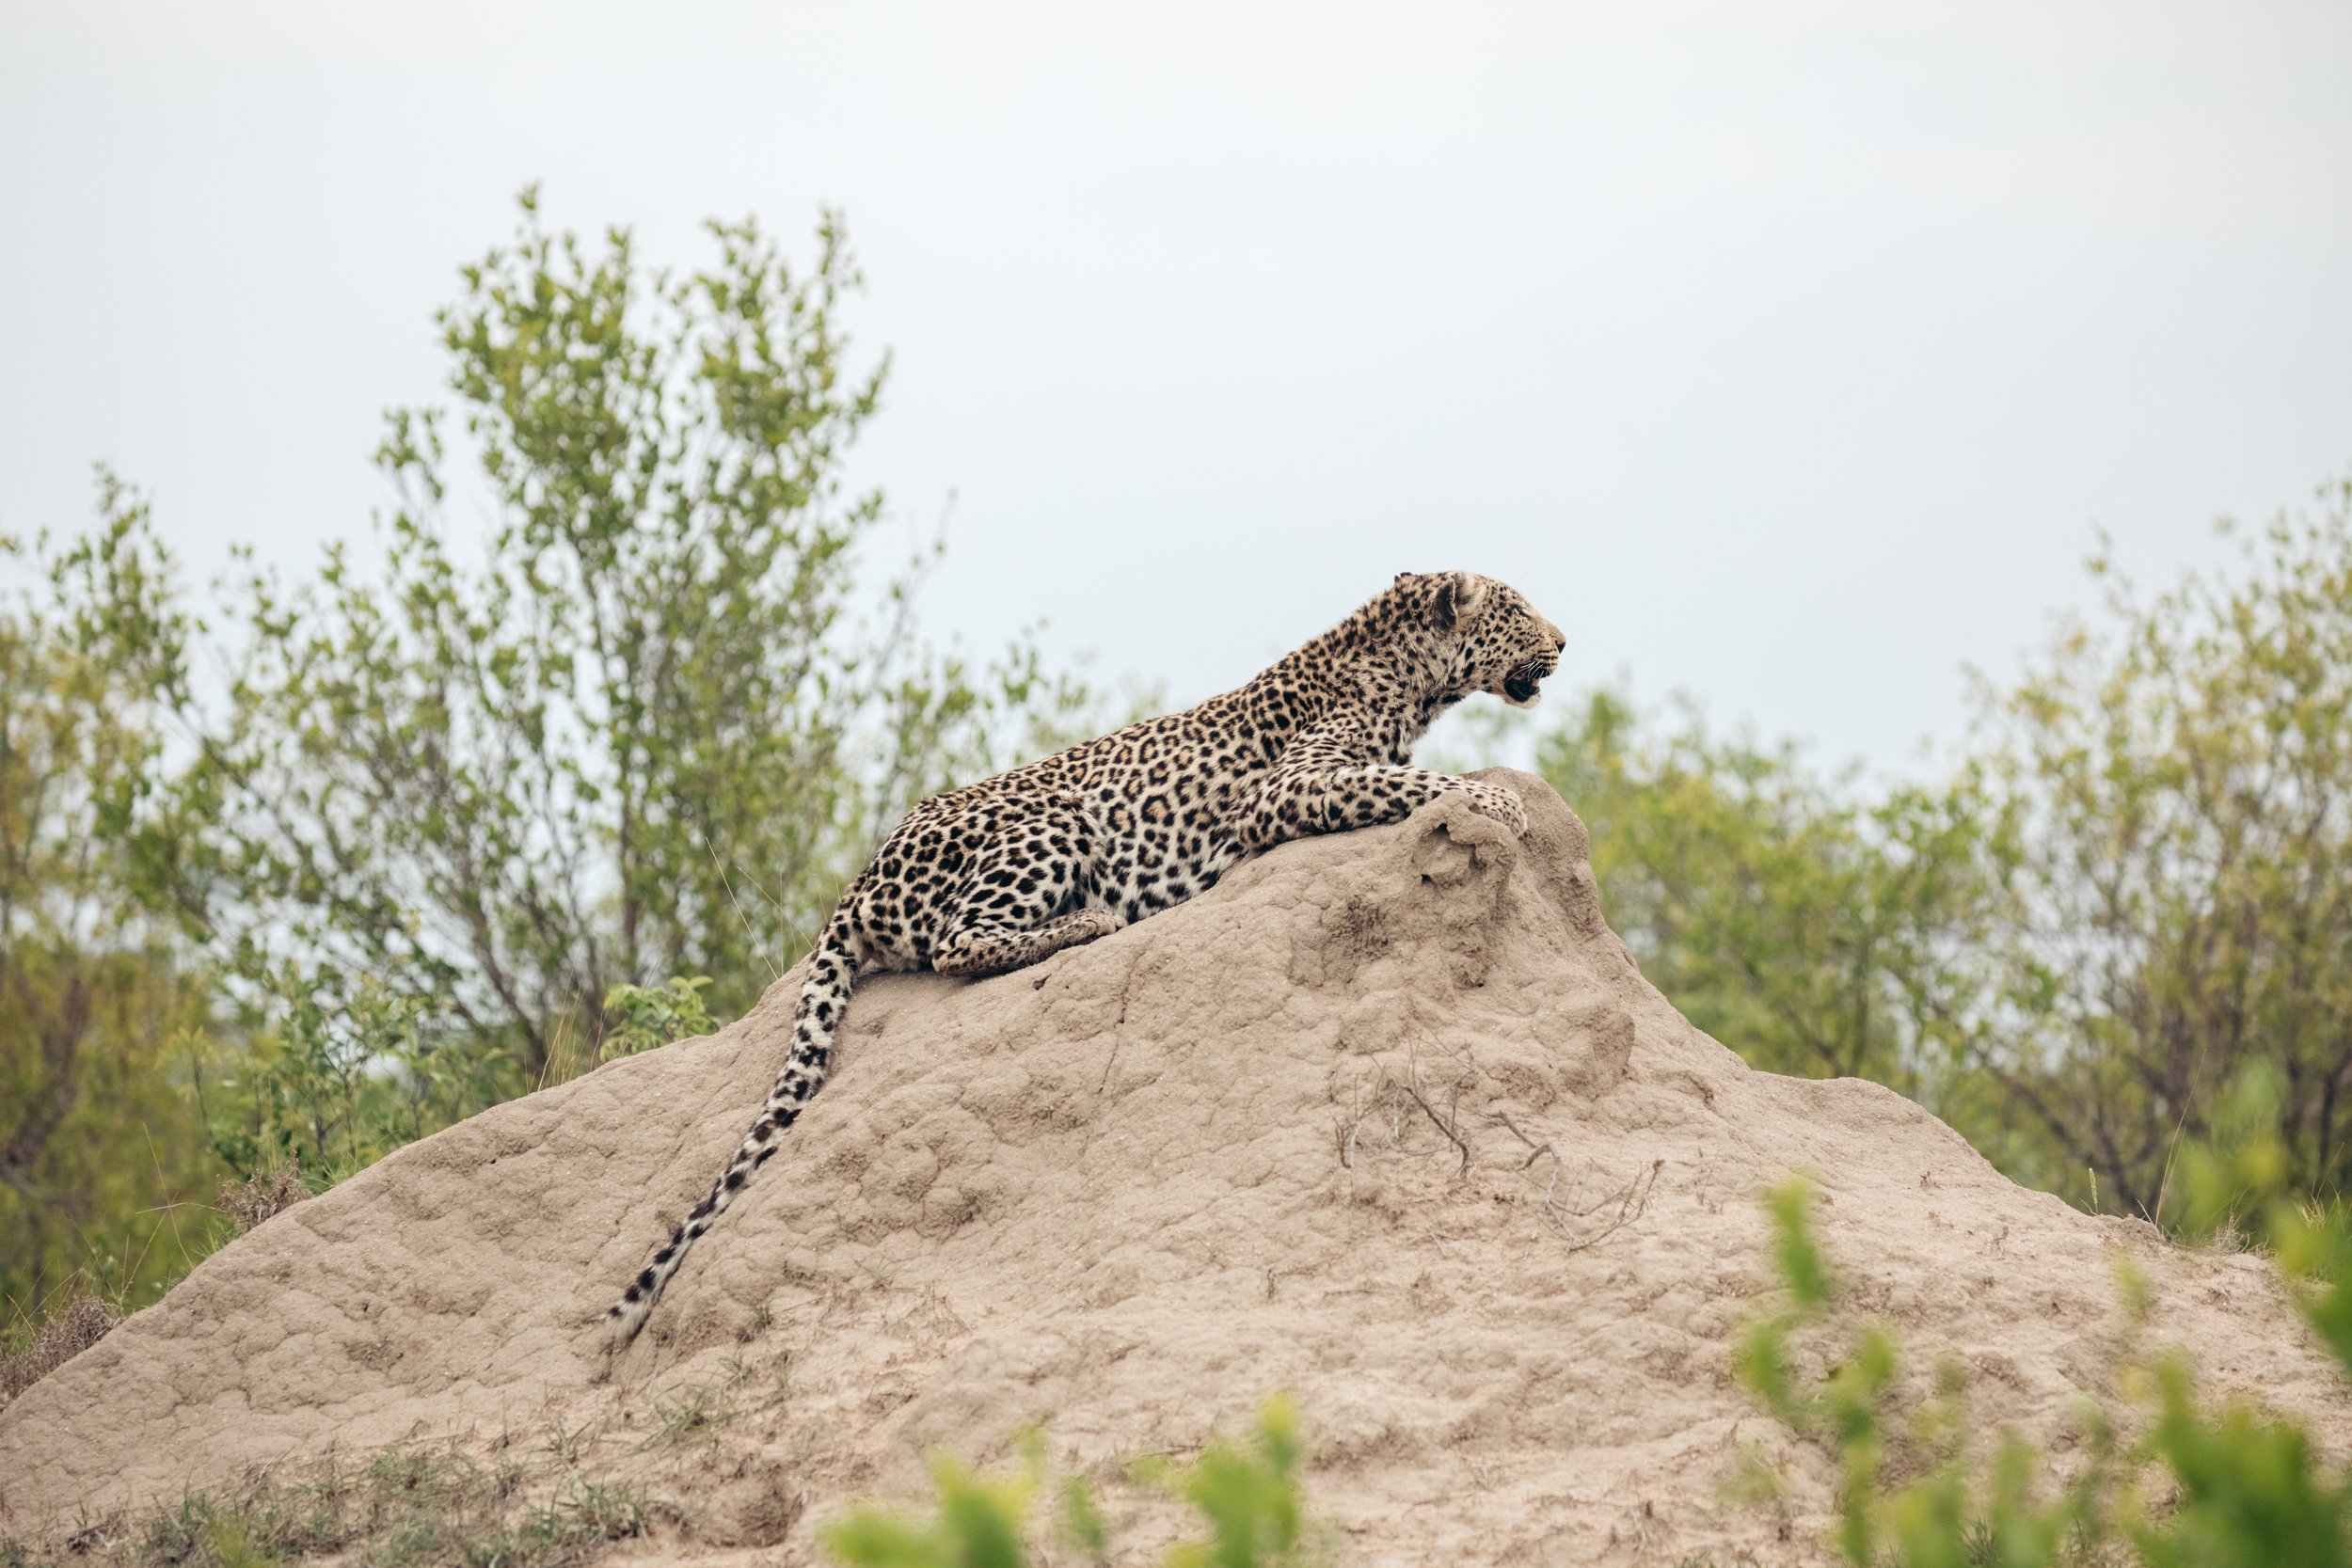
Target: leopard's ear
<point>1458,597</point>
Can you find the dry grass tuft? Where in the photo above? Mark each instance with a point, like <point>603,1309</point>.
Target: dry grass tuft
<point>26,1356</point>
<point>262,1193</point>
<point>82,1323</point>
<point>425,1508</point>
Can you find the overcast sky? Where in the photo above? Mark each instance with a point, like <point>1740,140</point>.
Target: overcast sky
<point>1788,354</point>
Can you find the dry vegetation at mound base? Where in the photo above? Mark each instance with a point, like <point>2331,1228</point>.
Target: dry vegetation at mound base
<point>1389,1119</point>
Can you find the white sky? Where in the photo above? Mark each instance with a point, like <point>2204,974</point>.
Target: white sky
<point>1787,355</point>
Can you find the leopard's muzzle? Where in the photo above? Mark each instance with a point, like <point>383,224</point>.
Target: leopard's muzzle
<point>1523,685</point>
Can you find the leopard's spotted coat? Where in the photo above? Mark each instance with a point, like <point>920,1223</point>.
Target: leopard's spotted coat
<point>1002,873</point>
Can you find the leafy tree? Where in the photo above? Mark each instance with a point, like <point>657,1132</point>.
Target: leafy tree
<point>1810,930</point>
<point>98,1147</point>
<point>354,857</point>
<point>2171,806</point>
<point>2139,882</point>
<point>642,731</point>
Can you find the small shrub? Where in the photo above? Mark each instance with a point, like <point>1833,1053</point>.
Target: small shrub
<point>639,1017</point>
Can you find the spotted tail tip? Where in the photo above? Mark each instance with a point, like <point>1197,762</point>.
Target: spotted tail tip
<point>623,1319</point>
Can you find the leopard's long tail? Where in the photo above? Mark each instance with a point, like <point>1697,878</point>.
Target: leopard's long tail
<point>833,975</point>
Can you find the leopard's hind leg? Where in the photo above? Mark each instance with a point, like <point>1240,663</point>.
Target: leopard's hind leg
<point>1029,896</point>
<point>989,947</point>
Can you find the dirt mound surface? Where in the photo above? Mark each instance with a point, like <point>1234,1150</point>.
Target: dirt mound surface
<point>1390,1119</point>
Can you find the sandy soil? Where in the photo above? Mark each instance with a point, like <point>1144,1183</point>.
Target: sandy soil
<point>1354,1124</point>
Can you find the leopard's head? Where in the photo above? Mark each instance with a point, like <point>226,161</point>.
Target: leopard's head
<point>1492,639</point>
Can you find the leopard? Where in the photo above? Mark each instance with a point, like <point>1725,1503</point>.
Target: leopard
<point>999,875</point>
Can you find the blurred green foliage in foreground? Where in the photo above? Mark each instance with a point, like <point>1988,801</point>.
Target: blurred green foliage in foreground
<point>1247,1494</point>
<point>2168,1481</point>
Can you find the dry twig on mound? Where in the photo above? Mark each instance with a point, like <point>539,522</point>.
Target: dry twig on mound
<point>1619,1208</point>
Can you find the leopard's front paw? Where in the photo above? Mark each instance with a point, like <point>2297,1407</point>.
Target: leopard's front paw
<point>1496,800</point>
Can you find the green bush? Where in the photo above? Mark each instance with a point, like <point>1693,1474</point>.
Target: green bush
<point>639,1017</point>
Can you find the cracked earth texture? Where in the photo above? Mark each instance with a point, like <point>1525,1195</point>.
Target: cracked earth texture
<point>1358,1123</point>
